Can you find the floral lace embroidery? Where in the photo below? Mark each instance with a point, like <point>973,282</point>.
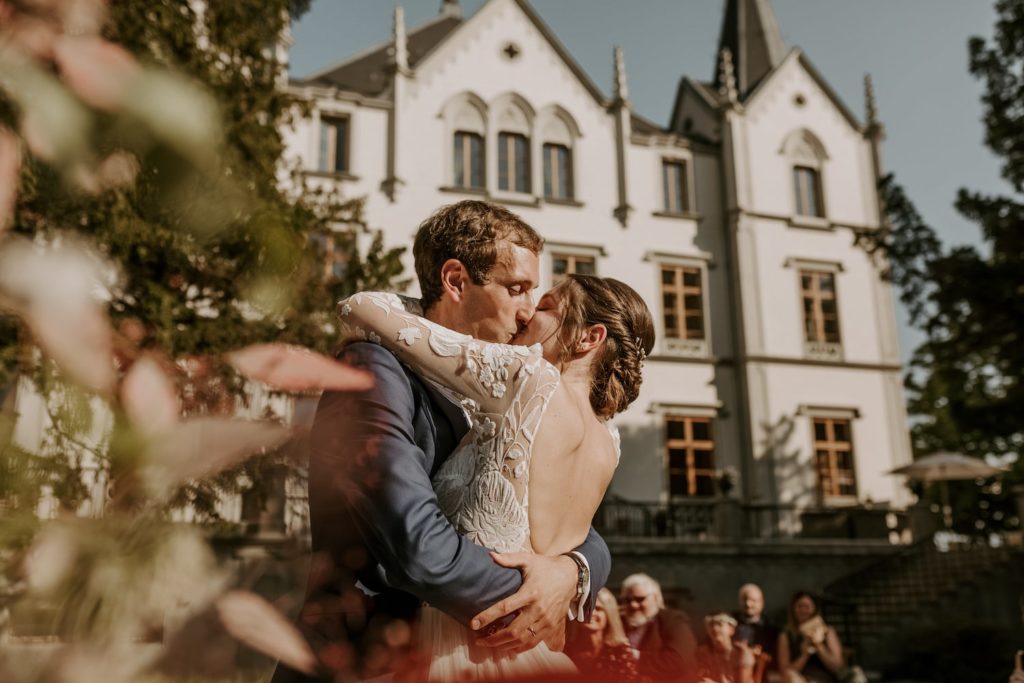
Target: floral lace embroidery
<point>505,390</point>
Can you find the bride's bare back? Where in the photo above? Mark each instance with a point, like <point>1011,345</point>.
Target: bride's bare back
<point>574,458</point>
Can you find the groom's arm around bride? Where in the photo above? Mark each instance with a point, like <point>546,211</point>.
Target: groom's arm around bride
<point>376,521</point>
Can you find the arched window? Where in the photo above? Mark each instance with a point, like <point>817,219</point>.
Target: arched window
<point>513,122</point>
<point>558,133</point>
<point>467,123</point>
<point>807,157</point>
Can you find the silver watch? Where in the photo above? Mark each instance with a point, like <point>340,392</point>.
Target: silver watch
<point>582,574</point>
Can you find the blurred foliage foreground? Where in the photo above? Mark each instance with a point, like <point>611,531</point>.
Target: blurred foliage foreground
<point>152,243</point>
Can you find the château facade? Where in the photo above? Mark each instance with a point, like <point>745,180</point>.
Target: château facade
<point>777,355</point>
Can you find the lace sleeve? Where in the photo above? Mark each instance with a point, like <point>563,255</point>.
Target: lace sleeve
<point>489,374</point>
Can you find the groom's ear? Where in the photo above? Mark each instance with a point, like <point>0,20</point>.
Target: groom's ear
<point>453,278</point>
<point>591,338</point>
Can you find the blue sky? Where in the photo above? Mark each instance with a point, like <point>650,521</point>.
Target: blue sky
<point>916,51</point>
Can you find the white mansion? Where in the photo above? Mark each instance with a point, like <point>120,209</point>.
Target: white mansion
<point>777,352</point>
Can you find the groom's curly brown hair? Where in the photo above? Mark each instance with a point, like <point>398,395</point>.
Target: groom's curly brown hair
<point>470,232</point>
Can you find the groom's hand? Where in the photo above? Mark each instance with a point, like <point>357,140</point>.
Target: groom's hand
<point>542,602</point>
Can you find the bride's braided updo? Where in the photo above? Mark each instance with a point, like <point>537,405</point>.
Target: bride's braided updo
<point>618,369</point>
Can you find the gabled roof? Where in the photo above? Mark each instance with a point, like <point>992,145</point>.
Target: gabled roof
<point>645,126</point>
<point>556,44</point>
<point>797,54</point>
<point>366,72</point>
<point>751,32</point>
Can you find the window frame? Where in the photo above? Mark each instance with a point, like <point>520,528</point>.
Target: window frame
<point>819,344</point>
<point>571,258</point>
<point>329,121</point>
<point>683,186</point>
<point>690,445</point>
<point>552,172</point>
<point>509,150</point>
<point>467,156</point>
<point>836,476</point>
<point>815,192</point>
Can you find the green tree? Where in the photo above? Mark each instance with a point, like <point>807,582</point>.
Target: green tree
<point>964,385</point>
<point>212,251</point>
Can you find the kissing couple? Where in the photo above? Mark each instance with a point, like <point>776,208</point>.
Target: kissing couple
<point>451,504</point>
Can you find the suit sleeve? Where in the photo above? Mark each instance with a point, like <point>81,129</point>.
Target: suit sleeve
<point>364,456</point>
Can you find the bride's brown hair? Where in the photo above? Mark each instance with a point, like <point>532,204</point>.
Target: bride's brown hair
<point>589,300</point>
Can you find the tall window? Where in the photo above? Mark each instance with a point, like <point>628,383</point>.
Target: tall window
<point>821,315</point>
<point>567,264</point>
<point>468,160</point>
<point>675,186</point>
<point>513,162</point>
<point>807,182</point>
<point>333,144</point>
<point>691,456</point>
<point>557,171</point>
<point>833,456</point>
<point>682,302</point>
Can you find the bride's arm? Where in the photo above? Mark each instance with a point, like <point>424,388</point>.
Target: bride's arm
<point>487,373</point>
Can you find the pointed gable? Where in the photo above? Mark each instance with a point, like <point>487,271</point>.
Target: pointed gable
<point>751,32</point>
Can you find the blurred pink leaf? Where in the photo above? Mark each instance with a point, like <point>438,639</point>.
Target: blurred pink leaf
<point>253,621</point>
<point>149,398</point>
<point>10,168</point>
<point>96,70</point>
<point>204,446</point>
<point>293,368</point>
<point>53,289</point>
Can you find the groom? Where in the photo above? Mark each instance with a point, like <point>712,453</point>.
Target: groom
<point>381,546</point>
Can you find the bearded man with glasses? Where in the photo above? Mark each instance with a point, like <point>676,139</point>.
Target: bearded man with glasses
<point>661,638</point>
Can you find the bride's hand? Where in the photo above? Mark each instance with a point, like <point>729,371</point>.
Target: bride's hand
<point>549,585</point>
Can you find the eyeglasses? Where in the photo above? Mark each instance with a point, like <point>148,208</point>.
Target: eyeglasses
<point>635,598</point>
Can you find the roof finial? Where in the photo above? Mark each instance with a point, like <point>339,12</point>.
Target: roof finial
<point>727,77</point>
<point>870,106</point>
<point>400,47</point>
<point>621,87</point>
<point>451,8</point>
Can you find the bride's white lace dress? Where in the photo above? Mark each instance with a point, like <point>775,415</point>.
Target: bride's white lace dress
<point>482,486</point>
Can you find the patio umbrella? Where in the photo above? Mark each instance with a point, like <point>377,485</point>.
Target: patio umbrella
<point>946,467</point>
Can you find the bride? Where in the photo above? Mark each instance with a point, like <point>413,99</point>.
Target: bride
<point>531,472</point>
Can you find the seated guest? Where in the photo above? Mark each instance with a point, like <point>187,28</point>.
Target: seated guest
<point>809,649</point>
<point>599,648</point>
<point>661,638</point>
<point>752,628</point>
<point>720,660</point>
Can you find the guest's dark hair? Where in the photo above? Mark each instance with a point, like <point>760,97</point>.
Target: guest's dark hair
<point>792,625</point>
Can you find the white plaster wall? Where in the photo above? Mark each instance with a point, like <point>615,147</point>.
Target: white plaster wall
<point>789,388</point>
<point>772,115</point>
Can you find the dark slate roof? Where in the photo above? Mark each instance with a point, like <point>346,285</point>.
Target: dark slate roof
<point>751,32</point>
<point>645,126</point>
<point>365,73</point>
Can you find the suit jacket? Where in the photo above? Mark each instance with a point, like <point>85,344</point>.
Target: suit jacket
<point>668,649</point>
<point>381,545</point>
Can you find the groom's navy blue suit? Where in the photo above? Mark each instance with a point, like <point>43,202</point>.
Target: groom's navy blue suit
<point>375,519</point>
